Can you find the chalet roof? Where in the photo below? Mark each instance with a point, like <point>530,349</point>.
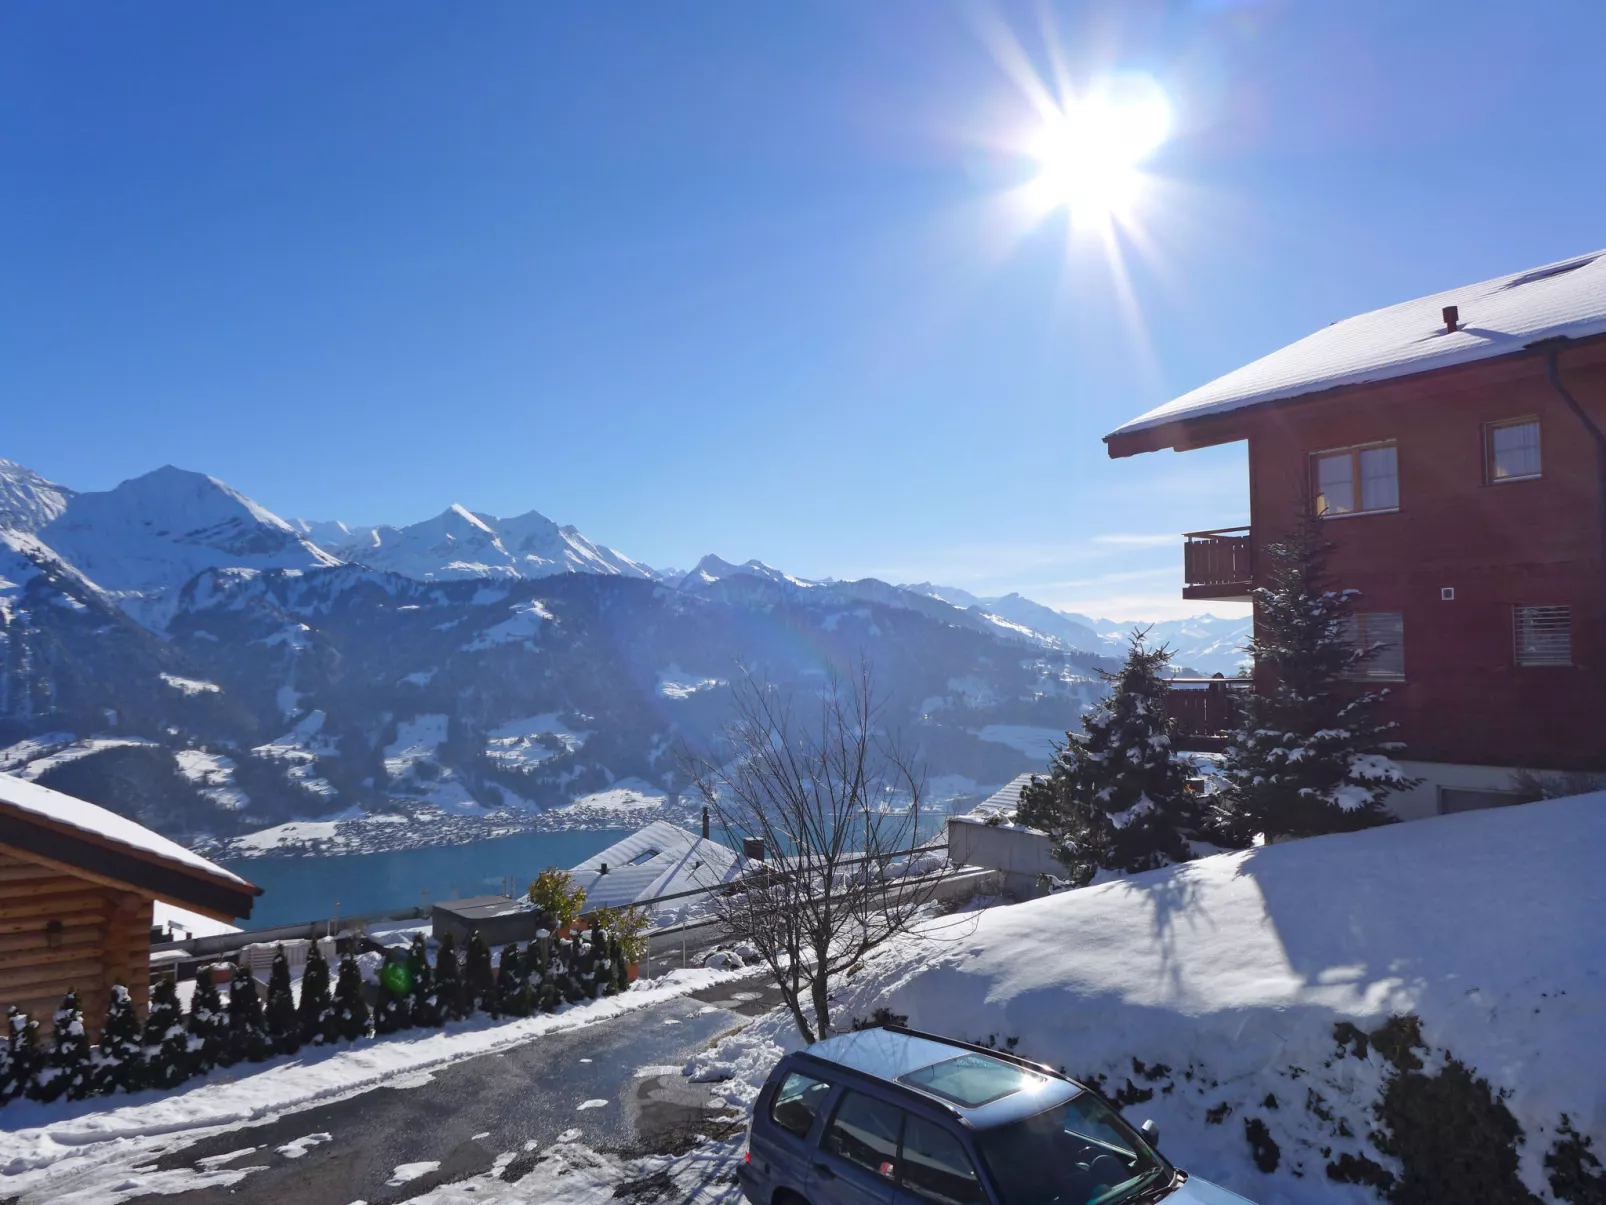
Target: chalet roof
<point>75,833</point>
<point>1497,317</point>
<point>660,859</point>
<point>1004,801</point>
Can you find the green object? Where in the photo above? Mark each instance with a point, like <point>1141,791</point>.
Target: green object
<point>397,977</point>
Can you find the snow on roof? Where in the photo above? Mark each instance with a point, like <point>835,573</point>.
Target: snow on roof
<point>1499,316</point>
<point>660,859</point>
<point>91,818</point>
<point>1002,802</point>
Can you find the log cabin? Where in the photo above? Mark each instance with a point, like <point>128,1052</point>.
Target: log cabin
<point>77,883</point>
<point>1454,448</point>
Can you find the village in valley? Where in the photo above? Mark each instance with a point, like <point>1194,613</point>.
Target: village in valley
<point>473,860</point>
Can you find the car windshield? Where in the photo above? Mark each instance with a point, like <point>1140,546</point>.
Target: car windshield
<point>1076,1153</point>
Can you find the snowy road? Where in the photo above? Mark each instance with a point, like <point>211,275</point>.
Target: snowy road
<point>461,1118</point>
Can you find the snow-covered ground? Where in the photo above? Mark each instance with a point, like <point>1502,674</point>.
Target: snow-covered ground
<point>93,1147</point>
<point>1224,979</point>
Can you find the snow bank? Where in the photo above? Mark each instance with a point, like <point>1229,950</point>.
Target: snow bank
<point>1231,971</point>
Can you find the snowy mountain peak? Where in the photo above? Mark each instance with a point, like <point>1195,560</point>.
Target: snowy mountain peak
<point>27,500</point>
<point>151,534</point>
<point>714,568</point>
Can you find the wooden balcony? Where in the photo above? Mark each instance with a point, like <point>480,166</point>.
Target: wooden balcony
<point>1217,564</point>
<point>1204,711</point>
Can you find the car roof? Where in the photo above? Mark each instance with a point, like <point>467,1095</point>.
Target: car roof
<point>888,1055</point>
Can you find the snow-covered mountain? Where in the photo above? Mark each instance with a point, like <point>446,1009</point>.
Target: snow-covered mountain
<point>460,543</point>
<point>27,500</point>
<point>147,537</point>
<point>715,569</point>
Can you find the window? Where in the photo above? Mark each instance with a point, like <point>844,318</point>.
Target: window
<point>865,1131</point>
<point>1384,633</point>
<point>798,1102</point>
<point>935,1166</point>
<point>1511,450</point>
<point>1544,635</point>
<point>1353,481</point>
<point>972,1079</point>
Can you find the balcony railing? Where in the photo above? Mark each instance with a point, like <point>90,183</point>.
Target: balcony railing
<point>1217,564</point>
<point>1205,710</point>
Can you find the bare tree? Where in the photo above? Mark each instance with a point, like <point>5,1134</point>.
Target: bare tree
<point>837,805</point>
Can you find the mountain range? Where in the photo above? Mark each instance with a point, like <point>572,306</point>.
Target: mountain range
<point>173,650</point>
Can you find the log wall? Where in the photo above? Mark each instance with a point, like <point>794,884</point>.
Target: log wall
<point>104,940</point>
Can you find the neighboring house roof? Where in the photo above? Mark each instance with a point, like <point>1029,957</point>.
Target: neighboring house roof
<point>1496,317</point>
<point>56,828</point>
<point>1002,802</point>
<point>660,859</point>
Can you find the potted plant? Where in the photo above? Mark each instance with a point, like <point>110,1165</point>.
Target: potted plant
<point>628,927</point>
<point>558,899</point>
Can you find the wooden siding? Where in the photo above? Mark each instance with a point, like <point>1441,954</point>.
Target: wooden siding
<point>104,940</point>
<point>1530,542</point>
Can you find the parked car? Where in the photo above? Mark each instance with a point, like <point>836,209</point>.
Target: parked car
<point>893,1116</point>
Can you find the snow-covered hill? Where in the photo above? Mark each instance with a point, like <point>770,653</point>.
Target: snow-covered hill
<point>1213,997</point>
<point>27,500</point>
<point>459,543</point>
<point>151,534</point>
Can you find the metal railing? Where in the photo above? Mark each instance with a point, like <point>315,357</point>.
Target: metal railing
<point>1217,558</point>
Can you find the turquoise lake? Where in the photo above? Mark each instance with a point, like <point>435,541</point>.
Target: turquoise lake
<point>314,888</point>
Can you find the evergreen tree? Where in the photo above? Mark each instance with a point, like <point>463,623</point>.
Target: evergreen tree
<point>541,973</point>
<point>425,1008</point>
<point>167,1043</point>
<point>619,970</point>
<point>68,1064</point>
<point>593,961</point>
<point>208,1026</point>
<point>248,1027</point>
<point>448,980</point>
<point>394,1009</point>
<point>351,1008</point>
<point>315,1009</point>
<point>1115,796</point>
<point>479,985</point>
<point>20,1049</point>
<point>513,995</point>
<point>566,960</point>
<point>120,1057</point>
<point>283,1026</point>
<point>1310,754</point>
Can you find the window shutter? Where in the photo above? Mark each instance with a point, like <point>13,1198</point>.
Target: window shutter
<point>1544,635</point>
<point>1385,628</point>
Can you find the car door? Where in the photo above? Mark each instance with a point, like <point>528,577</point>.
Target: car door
<point>935,1167</point>
<point>857,1159</point>
<point>785,1121</point>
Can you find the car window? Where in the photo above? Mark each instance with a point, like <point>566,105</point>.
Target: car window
<point>935,1166</point>
<point>797,1103</point>
<point>865,1131</point>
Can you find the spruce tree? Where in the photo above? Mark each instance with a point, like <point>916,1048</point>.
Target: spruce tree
<point>16,1069</point>
<point>120,1057</point>
<point>313,1013</point>
<point>1310,754</point>
<point>167,1043</point>
<point>425,1008</point>
<point>448,980</point>
<point>208,1026</point>
<point>509,971</point>
<point>351,1008</point>
<point>1115,797</point>
<point>68,1069</point>
<point>248,1027</point>
<point>619,970</point>
<point>283,1027</point>
<point>479,985</point>
<point>593,960</point>
<point>541,973</point>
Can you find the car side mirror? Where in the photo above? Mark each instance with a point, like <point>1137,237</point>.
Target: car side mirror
<point>1151,1133</point>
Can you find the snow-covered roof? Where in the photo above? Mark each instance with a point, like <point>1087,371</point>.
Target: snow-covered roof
<point>1002,802</point>
<point>1499,316</point>
<point>107,825</point>
<point>660,859</point>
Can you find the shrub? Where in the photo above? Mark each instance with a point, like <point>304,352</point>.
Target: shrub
<point>629,927</point>
<point>284,1030</point>
<point>120,1058</point>
<point>168,1060</point>
<point>314,1011</point>
<point>558,896</point>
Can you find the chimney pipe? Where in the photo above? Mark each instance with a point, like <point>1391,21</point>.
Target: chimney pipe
<point>1452,319</point>
<point>705,822</point>
<point>604,869</point>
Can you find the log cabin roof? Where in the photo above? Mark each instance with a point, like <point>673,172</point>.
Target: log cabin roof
<point>82,837</point>
<point>1496,317</point>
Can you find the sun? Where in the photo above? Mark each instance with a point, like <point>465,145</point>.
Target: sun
<point>1090,150</point>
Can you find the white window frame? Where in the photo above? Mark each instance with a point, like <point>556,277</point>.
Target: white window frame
<point>1530,659</point>
<point>1489,429</point>
<point>1371,671</point>
<point>1354,452</point>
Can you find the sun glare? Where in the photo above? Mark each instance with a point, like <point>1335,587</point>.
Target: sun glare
<point>1090,152</point>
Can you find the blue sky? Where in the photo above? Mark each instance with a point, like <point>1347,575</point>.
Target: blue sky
<point>736,278</point>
